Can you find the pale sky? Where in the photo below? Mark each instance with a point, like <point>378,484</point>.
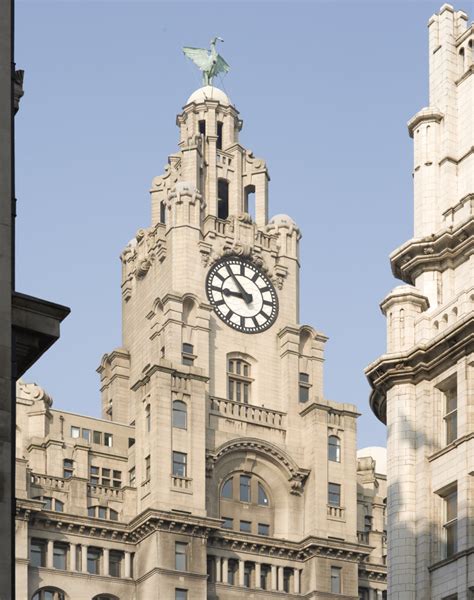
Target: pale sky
<point>324,89</point>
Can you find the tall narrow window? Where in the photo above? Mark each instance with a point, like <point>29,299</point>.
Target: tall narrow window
<point>37,553</point>
<point>451,523</point>
<point>59,556</point>
<point>180,558</point>
<point>245,488</point>
<point>93,560</point>
<point>226,491</point>
<point>148,418</point>
<point>334,448</point>
<point>115,563</point>
<point>162,212</point>
<point>131,477</point>
<point>304,386</point>
<point>68,468</point>
<point>247,574</point>
<point>180,413</point>
<point>451,412</point>
<point>262,495</point>
<point>334,494</point>
<point>108,440</point>
<point>202,127</point>
<point>238,378</point>
<point>187,354</point>
<point>336,587</point>
<point>220,127</point>
<point>179,464</point>
<point>249,200</point>
<point>222,199</point>
<point>147,468</point>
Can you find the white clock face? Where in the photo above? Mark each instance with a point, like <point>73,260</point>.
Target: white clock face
<point>242,295</point>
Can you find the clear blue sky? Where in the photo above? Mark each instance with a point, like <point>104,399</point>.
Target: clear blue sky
<point>324,89</point>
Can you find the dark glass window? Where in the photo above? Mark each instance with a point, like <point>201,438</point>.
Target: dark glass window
<point>37,553</point>
<point>180,412</point>
<point>228,523</point>
<point>68,468</point>
<point>147,418</point>
<point>58,506</point>
<point>180,556</point>
<point>244,488</point>
<point>304,386</point>
<point>131,477</point>
<point>181,594</point>
<point>59,556</point>
<point>202,127</point>
<point>262,495</point>
<point>86,435</point>
<point>226,491</point>
<point>179,464</point>
<point>263,529</point>
<point>336,586</point>
<point>113,514</point>
<point>451,523</point>
<point>108,439</point>
<point>97,437</point>
<point>220,126</point>
<point>222,199</point>
<point>334,494</point>
<point>147,468</point>
<point>93,560</point>
<point>247,574</point>
<point>246,526</point>
<point>188,354</point>
<point>238,381</point>
<point>334,448</point>
<point>451,413</point>
<point>48,503</point>
<point>102,512</point>
<point>162,213</point>
<point>115,563</point>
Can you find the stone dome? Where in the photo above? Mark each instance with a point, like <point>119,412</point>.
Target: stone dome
<point>282,220</point>
<point>209,92</point>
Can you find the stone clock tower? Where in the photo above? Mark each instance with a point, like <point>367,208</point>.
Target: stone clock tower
<point>228,468</point>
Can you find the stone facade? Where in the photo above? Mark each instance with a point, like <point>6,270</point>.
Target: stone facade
<point>423,385</point>
<point>218,468</point>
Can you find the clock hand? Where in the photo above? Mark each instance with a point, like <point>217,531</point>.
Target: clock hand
<point>247,297</point>
<point>227,292</point>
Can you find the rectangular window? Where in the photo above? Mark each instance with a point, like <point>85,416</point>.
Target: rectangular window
<point>451,412</point>
<point>68,468</point>
<point>86,435</point>
<point>131,477</point>
<point>245,526</point>
<point>48,503</point>
<point>179,464</point>
<point>75,432</point>
<point>147,468</point>
<point>108,440</point>
<point>304,386</point>
<point>102,512</point>
<point>181,594</point>
<point>336,587</point>
<point>180,551</point>
<point>37,553</point>
<point>115,563</point>
<point>263,529</point>
<point>247,575</point>
<point>59,556</point>
<point>116,479</point>
<point>220,126</point>
<point>94,475</point>
<point>244,488</point>
<point>97,437</point>
<point>187,354</point>
<point>228,523</point>
<point>105,477</point>
<point>93,561</point>
<point>451,523</point>
<point>334,494</point>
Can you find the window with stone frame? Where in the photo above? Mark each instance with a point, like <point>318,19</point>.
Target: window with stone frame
<point>450,524</point>
<point>102,512</point>
<point>304,387</point>
<point>187,354</point>
<point>334,448</point>
<point>336,580</point>
<point>49,593</point>
<point>94,556</point>
<point>238,380</point>
<point>60,554</point>
<point>180,414</point>
<point>334,494</point>
<point>51,503</point>
<point>180,556</point>
<point>37,552</point>
<point>449,390</point>
<point>180,464</point>
<point>115,563</point>
<point>68,468</point>
<point>105,476</point>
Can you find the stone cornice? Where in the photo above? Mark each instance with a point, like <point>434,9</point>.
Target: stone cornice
<point>427,114</point>
<point>191,373</point>
<point>430,253</point>
<point>451,446</point>
<point>423,361</point>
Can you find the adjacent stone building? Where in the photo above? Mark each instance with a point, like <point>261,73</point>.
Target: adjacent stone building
<point>423,387</point>
<point>218,467</point>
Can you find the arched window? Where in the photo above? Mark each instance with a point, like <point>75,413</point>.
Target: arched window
<point>226,491</point>
<point>148,418</point>
<point>262,495</point>
<point>102,512</point>
<point>238,380</point>
<point>334,448</point>
<point>180,414</point>
<point>49,593</point>
<point>105,597</point>
<point>222,199</point>
<point>245,505</point>
<point>249,200</point>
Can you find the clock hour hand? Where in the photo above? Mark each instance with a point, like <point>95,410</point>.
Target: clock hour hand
<point>247,297</point>
<point>228,292</point>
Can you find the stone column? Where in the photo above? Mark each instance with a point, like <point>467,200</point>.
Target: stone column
<point>49,554</point>
<point>280,579</point>
<point>72,557</point>
<point>128,564</point>
<point>218,569</point>
<point>297,581</point>
<point>257,575</point>
<point>105,561</point>
<point>241,572</point>
<point>84,558</point>
<point>225,570</point>
<point>274,578</point>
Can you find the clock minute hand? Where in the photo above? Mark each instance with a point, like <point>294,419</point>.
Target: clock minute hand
<point>247,297</point>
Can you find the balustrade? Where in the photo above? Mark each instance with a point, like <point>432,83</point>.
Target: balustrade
<point>250,413</point>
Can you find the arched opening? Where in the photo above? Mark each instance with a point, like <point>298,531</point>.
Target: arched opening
<point>49,593</point>
<point>162,212</point>
<point>180,414</point>
<point>249,200</point>
<point>239,380</point>
<point>222,198</point>
<point>334,448</point>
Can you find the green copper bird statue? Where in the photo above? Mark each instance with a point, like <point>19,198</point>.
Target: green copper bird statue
<point>208,61</point>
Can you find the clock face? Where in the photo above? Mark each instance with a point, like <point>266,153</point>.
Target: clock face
<point>242,296</point>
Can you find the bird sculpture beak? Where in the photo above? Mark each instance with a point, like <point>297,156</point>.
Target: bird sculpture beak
<point>220,39</point>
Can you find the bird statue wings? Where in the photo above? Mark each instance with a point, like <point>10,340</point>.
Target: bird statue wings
<point>208,61</point>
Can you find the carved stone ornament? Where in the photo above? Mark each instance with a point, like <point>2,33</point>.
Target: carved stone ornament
<point>33,393</point>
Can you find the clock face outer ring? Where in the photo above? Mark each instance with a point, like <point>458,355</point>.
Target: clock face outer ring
<point>235,260</point>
